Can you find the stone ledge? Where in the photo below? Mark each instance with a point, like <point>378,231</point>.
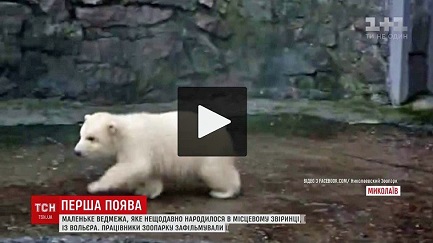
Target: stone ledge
<point>55,112</point>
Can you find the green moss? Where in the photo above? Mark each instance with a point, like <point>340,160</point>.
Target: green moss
<point>247,32</point>
<point>163,77</point>
<point>35,104</point>
<point>328,83</point>
<point>68,31</point>
<point>222,6</point>
<point>38,134</point>
<point>402,114</point>
<point>305,83</point>
<point>357,102</point>
<point>419,117</point>
<point>142,83</point>
<point>352,84</point>
<point>293,125</point>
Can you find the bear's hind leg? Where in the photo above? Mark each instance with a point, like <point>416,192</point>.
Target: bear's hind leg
<point>151,188</point>
<point>222,177</point>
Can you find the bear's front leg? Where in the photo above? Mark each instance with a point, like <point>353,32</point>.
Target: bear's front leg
<point>95,187</point>
<point>113,178</point>
<point>117,177</point>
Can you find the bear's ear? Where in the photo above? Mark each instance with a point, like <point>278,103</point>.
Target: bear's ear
<point>112,127</point>
<point>86,116</point>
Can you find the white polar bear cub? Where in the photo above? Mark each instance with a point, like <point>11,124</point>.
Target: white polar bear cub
<point>145,147</point>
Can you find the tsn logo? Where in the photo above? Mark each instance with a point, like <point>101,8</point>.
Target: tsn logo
<point>45,207</point>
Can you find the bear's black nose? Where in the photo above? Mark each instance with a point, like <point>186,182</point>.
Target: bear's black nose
<point>77,153</point>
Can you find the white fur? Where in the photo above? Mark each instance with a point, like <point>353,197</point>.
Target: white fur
<point>145,146</point>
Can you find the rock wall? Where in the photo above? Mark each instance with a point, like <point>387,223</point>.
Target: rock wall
<point>126,51</point>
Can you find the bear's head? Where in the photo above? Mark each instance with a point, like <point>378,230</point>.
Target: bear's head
<point>97,136</point>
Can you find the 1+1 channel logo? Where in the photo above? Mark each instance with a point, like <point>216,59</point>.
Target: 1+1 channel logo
<point>383,30</point>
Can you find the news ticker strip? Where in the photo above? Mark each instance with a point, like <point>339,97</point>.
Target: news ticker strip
<point>75,214</point>
<point>163,223</point>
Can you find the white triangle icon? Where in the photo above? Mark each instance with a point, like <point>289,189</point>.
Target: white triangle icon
<point>209,121</point>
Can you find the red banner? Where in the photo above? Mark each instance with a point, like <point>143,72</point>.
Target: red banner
<point>46,209</point>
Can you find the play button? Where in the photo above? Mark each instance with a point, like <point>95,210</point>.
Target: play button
<point>212,121</point>
<point>209,121</point>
